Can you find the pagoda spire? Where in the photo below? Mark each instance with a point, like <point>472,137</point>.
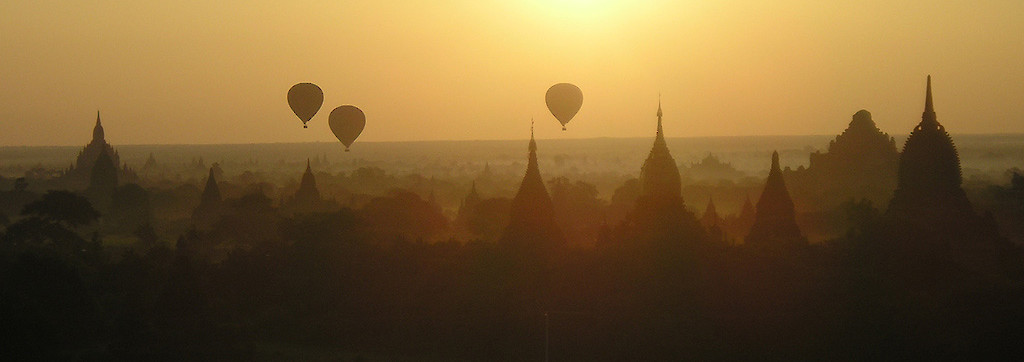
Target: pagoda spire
<point>929,185</point>
<point>97,132</point>
<point>928,118</point>
<point>928,106</point>
<point>710,217</point>
<point>211,193</point>
<point>659,173</point>
<point>660,136</point>
<point>532,162</point>
<point>531,217</point>
<point>775,218</point>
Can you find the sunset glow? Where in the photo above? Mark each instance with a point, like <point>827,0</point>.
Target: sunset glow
<point>478,69</point>
<point>511,180</point>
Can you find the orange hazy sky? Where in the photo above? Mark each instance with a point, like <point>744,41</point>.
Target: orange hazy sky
<point>218,71</point>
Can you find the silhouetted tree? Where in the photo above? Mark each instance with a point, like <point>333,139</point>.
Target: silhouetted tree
<point>130,208</point>
<point>62,207</point>
<point>20,185</point>
<point>405,214</point>
<point>577,209</point>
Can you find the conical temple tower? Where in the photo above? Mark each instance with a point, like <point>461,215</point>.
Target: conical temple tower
<point>210,204</point>
<point>660,213</point>
<point>532,217</point>
<point>659,176</point>
<point>710,217</point>
<point>775,220</point>
<point>308,192</point>
<point>929,195</point>
<point>469,204</point>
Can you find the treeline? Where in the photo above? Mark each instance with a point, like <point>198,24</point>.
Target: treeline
<point>344,284</point>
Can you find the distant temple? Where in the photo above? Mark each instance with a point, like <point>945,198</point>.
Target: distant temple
<point>532,217</point>
<point>775,221</point>
<point>469,204</point>
<point>747,214</point>
<point>860,164</point>
<point>307,198</point>
<point>78,175</point>
<point>660,211</point>
<point>659,176</point>
<point>713,169</point>
<point>713,223</point>
<point>710,217</point>
<point>928,195</point>
<point>211,206</point>
<point>150,164</point>
<point>102,179</point>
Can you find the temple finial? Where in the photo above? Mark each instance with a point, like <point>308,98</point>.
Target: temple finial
<point>307,165</point>
<point>659,105</point>
<point>928,106</point>
<point>97,131</point>
<point>775,161</point>
<point>533,144</point>
<point>659,132</point>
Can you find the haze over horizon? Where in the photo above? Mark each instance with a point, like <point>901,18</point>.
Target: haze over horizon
<point>180,73</point>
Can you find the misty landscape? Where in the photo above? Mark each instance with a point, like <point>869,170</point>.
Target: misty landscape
<point>572,188</point>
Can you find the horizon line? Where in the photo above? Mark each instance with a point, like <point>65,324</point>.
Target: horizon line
<point>496,140</point>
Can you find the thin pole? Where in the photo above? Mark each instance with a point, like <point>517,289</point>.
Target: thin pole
<point>547,326</point>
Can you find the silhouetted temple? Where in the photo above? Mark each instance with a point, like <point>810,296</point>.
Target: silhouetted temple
<point>860,164</point>
<point>747,214</point>
<point>102,177</point>
<point>78,174</point>
<point>307,197</point>
<point>710,217</point>
<point>775,220</point>
<point>210,204</point>
<point>712,223</point>
<point>928,195</point>
<point>150,163</point>
<point>659,176</point>
<point>660,210</point>
<point>469,203</point>
<point>711,168</point>
<point>532,216</point>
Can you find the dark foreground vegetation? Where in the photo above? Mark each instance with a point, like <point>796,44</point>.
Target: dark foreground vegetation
<point>328,282</point>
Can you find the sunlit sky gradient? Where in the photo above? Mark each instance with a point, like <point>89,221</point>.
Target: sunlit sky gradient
<point>218,71</point>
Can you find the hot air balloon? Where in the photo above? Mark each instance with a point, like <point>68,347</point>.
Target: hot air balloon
<point>347,123</point>
<point>305,100</point>
<point>564,100</point>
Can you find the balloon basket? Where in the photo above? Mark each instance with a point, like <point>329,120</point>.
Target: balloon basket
<point>346,149</point>
<point>563,128</point>
<point>305,126</point>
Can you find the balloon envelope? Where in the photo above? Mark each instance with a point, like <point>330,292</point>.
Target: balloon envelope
<point>564,100</point>
<point>305,100</point>
<point>347,123</point>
